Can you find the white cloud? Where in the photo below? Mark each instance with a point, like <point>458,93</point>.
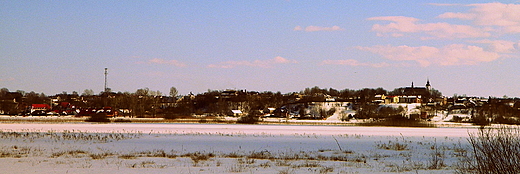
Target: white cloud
<point>257,63</point>
<point>166,62</point>
<point>318,28</point>
<point>454,54</point>
<point>400,25</point>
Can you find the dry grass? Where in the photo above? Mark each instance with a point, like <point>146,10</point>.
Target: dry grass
<point>392,145</point>
<point>69,136</point>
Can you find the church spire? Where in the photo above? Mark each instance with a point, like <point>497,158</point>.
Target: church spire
<point>428,86</point>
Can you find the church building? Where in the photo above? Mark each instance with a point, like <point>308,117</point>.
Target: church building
<point>414,94</point>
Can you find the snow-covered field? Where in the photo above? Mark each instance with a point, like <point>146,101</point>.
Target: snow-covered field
<point>227,148</point>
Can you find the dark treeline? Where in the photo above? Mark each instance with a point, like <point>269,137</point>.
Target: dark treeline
<point>146,102</point>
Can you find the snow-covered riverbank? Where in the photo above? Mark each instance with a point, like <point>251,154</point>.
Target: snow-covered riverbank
<point>226,148</point>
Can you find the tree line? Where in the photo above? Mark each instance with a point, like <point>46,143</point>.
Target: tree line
<point>153,103</point>
<point>145,102</point>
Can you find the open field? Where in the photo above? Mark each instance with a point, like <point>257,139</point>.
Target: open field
<point>227,148</point>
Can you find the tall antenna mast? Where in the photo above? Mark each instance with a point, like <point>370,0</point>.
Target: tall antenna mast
<point>106,73</point>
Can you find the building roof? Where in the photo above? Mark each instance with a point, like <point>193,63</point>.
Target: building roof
<point>41,106</point>
<point>413,90</point>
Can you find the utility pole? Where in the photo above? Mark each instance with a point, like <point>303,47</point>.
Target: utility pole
<point>106,73</point>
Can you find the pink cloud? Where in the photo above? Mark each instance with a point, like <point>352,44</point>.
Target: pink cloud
<point>257,63</point>
<point>455,54</point>
<point>505,16</point>
<point>399,25</point>
<point>499,46</point>
<point>166,62</point>
<point>317,28</point>
<point>497,14</point>
<point>463,16</point>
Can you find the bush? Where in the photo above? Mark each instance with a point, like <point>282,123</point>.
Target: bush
<point>98,117</point>
<point>122,120</point>
<point>251,118</point>
<point>398,121</point>
<point>481,121</point>
<point>495,150</point>
<point>506,120</point>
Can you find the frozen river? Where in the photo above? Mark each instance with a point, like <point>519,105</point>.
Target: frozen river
<point>228,148</point>
<point>168,128</point>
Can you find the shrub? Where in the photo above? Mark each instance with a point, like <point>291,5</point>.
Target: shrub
<point>248,119</point>
<point>506,120</point>
<point>198,156</point>
<point>99,117</point>
<point>481,121</point>
<point>261,155</point>
<point>251,118</point>
<point>437,157</point>
<point>495,150</point>
<point>122,120</point>
<point>398,121</point>
<point>100,155</point>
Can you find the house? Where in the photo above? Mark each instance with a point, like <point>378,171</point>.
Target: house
<point>40,108</point>
<point>236,113</point>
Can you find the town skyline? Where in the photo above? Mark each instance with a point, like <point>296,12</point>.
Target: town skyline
<point>173,91</point>
<point>462,47</point>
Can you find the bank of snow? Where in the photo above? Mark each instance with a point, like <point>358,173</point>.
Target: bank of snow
<point>225,148</point>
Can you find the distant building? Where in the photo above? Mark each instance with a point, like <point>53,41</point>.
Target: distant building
<point>40,107</point>
<point>412,94</point>
<point>417,91</point>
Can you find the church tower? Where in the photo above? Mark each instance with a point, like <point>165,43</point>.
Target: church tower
<point>428,86</point>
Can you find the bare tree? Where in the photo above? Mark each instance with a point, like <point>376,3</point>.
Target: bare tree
<point>88,92</point>
<point>173,92</point>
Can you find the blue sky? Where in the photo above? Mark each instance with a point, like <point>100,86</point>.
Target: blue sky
<point>462,47</point>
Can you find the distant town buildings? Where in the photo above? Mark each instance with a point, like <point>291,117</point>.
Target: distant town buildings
<point>311,103</point>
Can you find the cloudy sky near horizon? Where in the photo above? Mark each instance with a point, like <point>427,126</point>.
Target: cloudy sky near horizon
<point>462,47</point>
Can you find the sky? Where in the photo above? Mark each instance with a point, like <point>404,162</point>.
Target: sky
<point>468,47</point>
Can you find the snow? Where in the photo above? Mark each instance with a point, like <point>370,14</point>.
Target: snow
<point>289,148</point>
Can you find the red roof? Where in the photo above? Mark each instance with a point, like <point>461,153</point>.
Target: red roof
<point>41,106</point>
<point>64,104</point>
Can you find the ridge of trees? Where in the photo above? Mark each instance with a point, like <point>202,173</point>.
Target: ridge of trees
<point>145,101</point>
<point>149,103</point>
